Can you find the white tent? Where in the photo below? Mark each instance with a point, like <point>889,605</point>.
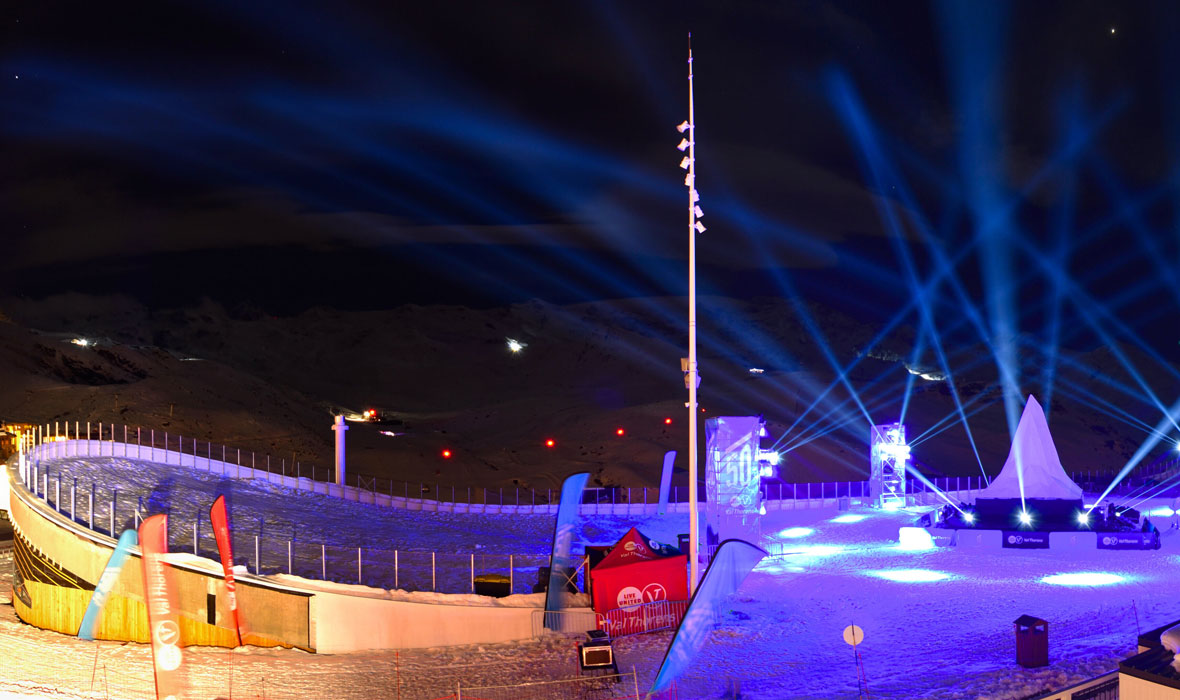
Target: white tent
<point>1033,459</point>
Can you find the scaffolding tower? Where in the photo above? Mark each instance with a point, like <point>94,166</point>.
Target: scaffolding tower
<point>889,454</point>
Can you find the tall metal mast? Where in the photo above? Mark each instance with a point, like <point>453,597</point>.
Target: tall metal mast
<point>691,377</point>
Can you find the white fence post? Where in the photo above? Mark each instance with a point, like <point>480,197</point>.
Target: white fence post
<point>359,578</point>
<point>257,561</point>
<point>473,572</point>
<point>433,581</point>
<point>323,563</point>
<point>288,557</point>
<point>395,569</point>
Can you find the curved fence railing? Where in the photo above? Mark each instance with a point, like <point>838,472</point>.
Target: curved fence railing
<point>109,439</point>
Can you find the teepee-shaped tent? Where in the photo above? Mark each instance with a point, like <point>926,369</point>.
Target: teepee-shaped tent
<point>1033,462</point>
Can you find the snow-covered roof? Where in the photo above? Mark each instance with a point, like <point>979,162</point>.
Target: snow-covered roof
<point>1033,459</point>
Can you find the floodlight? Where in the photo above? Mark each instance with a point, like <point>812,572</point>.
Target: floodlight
<point>685,162</point>
<point>696,197</point>
<point>683,126</point>
<point>699,227</point>
<point>696,210</point>
<point>515,345</point>
<point>688,179</point>
<point>968,517</point>
<point>1025,518</point>
<point>1083,518</point>
<point>683,144</point>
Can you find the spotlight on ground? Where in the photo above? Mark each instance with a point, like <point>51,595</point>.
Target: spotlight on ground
<point>1088,578</point>
<point>796,532</point>
<point>911,575</point>
<point>850,518</point>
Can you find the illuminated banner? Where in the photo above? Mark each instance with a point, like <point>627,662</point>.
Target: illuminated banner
<point>225,547</point>
<point>1128,540</point>
<point>1014,539</point>
<point>161,607</point>
<point>731,564</point>
<point>561,564</point>
<point>105,583</point>
<point>732,476</point>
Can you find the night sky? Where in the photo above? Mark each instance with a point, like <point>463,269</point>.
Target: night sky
<point>368,155</point>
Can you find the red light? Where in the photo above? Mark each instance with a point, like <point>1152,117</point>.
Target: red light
<point>619,431</point>
<point>446,454</point>
<point>550,442</point>
<point>667,421</point>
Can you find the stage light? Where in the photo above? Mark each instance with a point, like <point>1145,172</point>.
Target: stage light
<point>446,454</point>
<point>550,443</point>
<point>698,211</point>
<point>688,179</point>
<point>968,517</point>
<point>683,144</point>
<point>685,162</point>
<point>667,421</point>
<point>1025,518</point>
<point>914,539</point>
<point>1083,518</point>
<point>682,126</point>
<point>1083,579</point>
<point>1162,512</point>
<point>699,227</point>
<point>620,432</point>
<point>80,341</point>
<point>850,518</point>
<point>515,345</point>
<point>911,575</point>
<point>696,196</point>
<point>796,532</point>
<point>770,457</point>
<point>756,370</point>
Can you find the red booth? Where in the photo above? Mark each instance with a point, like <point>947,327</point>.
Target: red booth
<point>640,586</point>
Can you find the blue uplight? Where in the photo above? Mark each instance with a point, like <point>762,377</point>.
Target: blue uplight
<point>850,518</point>
<point>911,575</point>
<point>1083,579</point>
<point>796,532</point>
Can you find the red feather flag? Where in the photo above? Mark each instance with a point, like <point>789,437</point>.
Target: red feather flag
<point>220,519</point>
<point>159,592</point>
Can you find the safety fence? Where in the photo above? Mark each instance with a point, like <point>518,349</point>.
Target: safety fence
<point>65,438</point>
<point>109,511</point>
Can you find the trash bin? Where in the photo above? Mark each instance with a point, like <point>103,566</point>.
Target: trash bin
<point>494,585</point>
<point>1032,641</point>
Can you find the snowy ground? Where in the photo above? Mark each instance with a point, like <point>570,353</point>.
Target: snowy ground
<point>781,638</point>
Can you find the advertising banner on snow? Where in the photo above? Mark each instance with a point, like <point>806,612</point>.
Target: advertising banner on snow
<point>106,582</point>
<point>219,517</point>
<point>160,596</point>
<point>561,564</point>
<point>1014,539</point>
